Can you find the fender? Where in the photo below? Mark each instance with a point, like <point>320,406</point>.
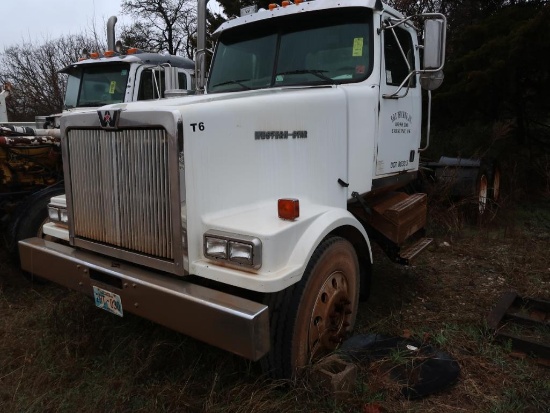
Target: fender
<point>308,234</point>
<point>326,224</point>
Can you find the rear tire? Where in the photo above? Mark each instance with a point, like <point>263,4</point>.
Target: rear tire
<point>494,185</point>
<point>311,318</point>
<point>488,190</point>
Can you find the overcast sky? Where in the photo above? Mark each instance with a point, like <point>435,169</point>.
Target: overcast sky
<point>41,20</point>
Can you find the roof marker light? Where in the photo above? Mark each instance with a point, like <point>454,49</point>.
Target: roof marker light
<point>273,6</point>
<point>288,208</point>
<point>286,3</point>
<point>132,50</point>
<point>296,2</point>
<point>94,55</point>
<point>109,53</point>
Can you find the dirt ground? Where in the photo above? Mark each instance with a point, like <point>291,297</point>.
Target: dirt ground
<point>59,353</point>
<point>445,298</point>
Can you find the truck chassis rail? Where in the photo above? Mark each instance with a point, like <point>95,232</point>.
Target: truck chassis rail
<point>230,322</point>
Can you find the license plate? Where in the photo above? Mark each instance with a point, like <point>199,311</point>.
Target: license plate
<point>108,301</point>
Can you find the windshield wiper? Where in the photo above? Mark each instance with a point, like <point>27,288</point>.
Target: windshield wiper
<point>235,82</point>
<point>93,103</point>
<point>315,72</point>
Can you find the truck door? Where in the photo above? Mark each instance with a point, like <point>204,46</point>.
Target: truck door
<point>151,83</point>
<point>400,117</point>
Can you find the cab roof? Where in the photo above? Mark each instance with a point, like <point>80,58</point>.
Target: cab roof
<point>306,6</point>
<point>144,57</point>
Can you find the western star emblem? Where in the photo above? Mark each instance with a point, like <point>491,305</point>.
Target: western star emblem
<point>108,118</point>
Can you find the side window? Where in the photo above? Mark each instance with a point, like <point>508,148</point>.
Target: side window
<point>149,86</point>
<point>182,80</point>
<point>397,68</point>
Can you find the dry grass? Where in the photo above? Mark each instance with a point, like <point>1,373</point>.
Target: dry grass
<point>59,353</point>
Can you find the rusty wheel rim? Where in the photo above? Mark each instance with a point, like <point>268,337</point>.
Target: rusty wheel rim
<point>330,320</point>
<point>482,194</point>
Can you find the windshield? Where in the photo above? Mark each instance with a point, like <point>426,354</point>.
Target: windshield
<point>324,47</point>
<point>96,85</point>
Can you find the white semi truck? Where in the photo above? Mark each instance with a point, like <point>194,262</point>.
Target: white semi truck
<point>243,216</point>
<point>30,158</point>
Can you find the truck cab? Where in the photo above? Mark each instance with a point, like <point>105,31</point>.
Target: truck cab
<point>133,76</point>
<point>243,216</point>
<point>128,78</point>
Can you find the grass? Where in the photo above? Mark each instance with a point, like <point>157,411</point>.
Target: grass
<point>58,353</point>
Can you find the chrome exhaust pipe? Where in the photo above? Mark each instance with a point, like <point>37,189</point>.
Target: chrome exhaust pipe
<point>200,55</point>
<point>111,32</point>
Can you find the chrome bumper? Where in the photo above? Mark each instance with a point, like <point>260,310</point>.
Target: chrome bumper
<point>232,323</point>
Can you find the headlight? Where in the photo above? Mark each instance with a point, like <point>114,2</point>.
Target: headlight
<point>53,213</point>
<point>64,215</point>
<point>236,249</point>
<point>215,248</point>
<point>241,253</point>
<point>58,214</point>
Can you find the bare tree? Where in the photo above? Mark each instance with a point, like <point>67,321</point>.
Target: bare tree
<point>33,71</point>
<point>161,25</point>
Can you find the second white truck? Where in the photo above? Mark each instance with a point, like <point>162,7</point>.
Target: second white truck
<point>30,158</point>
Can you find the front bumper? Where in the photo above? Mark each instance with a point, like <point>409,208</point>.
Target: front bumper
<point>230,322</point>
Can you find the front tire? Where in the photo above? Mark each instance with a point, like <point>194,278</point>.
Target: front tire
<point>311,318</point>
<point>30,225</point>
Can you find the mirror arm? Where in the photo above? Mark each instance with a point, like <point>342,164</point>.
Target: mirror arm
<point>396,95</point>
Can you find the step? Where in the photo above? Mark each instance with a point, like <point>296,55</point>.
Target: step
<point>401,211</point>
<point>398,216</point>
<point>406,256</point>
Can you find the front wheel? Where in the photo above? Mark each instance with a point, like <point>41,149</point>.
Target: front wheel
<point>30,225</point>
<point>311,318</point>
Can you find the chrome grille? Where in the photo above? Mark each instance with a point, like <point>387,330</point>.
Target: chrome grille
<point>121,189</point>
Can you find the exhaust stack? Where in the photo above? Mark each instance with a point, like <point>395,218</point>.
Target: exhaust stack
<point>111,32</point>
<point>200,61</point>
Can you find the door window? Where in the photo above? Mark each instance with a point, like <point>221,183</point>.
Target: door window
<point>399,63</point>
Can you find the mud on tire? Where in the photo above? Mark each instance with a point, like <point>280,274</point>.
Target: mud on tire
<point>311,318</point>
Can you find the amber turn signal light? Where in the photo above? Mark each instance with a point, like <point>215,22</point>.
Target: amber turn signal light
<point>289,208</point>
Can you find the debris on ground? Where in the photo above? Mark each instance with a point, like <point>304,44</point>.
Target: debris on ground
<point>419,368</point>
